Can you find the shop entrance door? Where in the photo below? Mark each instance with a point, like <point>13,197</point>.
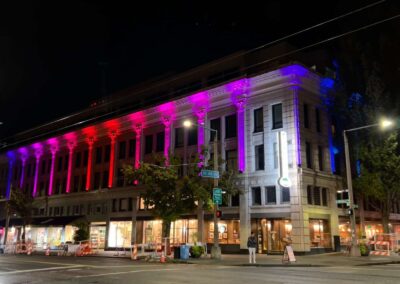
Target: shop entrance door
<point>98,236</point>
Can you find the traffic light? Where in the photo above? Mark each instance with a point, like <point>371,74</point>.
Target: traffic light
<point>350,211</point>
<point>219,213</point>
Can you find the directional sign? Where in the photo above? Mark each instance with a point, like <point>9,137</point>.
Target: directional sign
<point>217,196</point>
<point>210,174</point>
<point>343,201</point>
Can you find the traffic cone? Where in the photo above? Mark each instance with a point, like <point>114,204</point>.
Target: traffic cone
<point>47,252</point>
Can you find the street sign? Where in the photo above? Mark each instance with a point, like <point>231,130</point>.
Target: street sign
<point>217,196</point>
<point>343,201</point>
<point>209,174</point>
<point>355,206</point>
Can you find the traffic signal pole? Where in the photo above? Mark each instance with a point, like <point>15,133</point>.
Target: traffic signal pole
<point>216,249</point>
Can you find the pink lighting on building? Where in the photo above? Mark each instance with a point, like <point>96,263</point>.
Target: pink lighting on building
<point>138,120</point>
<point>38,150</point>
<point>113,137</point>
<point>239,93</point>
<point>71,144</point>
<point>23,155</point>
<point>53,143</point>
<point>90,133</point>
<point>168,113</point>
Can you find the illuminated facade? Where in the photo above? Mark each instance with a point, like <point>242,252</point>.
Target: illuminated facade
<point>273,131</point>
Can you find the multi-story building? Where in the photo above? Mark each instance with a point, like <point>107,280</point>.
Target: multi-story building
<point>274,132</point>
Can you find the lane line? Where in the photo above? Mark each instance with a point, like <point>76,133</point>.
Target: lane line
<point>39,269</point>
<point>126,272</point>
<point>47,262</point>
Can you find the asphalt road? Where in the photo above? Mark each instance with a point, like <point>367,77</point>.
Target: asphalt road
<point>43,270</point>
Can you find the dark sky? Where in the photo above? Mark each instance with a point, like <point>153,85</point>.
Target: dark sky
<point>53,53</point>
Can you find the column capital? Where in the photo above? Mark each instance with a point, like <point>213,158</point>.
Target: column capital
<point>38,153</point>
<point>90,140</point>
<point>138,127</point>
<point>53,149</point>
<point>113,134</point>
<point>166,120</point>
<point>71,145</point>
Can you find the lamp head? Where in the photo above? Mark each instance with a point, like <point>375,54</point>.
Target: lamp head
<point>187,123</point>
<point>386,123</point>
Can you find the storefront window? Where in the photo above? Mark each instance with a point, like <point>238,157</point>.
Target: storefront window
<point>98,235</point>
<point>270,233</point>
<point>320,235</point>
<point>182,231</point>
<point>228,232</point>
<point>119,234</point>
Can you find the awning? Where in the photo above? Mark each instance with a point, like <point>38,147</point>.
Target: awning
<point>44,221</point>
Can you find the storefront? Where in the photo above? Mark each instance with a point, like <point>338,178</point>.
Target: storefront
<point>228,232</point>
<point>320,233</point>
<point>270,234</point>
<point>98,234</point>
<point>119,234</point>
<point>50,236</point>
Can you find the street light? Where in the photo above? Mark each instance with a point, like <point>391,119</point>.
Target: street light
<point>216,249</point>
<point>383,124</point>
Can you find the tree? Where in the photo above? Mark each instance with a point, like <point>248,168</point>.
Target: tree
<point>170,194</point>
<point>82,233</point>
<point>21,203</point>
<point>380,175</point>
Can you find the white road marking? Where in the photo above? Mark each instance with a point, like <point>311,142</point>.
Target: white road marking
<point>126,272</point>
<point>39,269</point>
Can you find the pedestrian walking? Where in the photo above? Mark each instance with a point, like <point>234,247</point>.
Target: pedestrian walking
<point>252,244</point>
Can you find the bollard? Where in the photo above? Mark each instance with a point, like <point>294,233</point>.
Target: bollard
<point>47,252</point>
<point>162,258</point>
<point>134,253</point>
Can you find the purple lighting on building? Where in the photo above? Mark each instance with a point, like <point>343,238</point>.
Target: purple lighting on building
<point>38,150</point>
<point>53,142</point>
<point>239,93</point>
<point>297,124</point>
<point>168,113</point>
<point>11,159</point>
<point>24,155</point>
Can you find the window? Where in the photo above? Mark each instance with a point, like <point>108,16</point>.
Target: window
<point>66,160</point>
<point>317,196</point>
<point>43,167</point>
<point>259,158</point>
<point>59,167</point>
<point>120,177</point>
<point>258,120</point>
<point>178,137</point>
<point>148,144</point>
<point>270,195</point>
<point>216,125</point>
<point>51,211</point>
<point>49,166</point>
<point>256,195</point>
<point>285,194</point>
<point>160,141</point>
<point>56,211</point>
<point>306,121</point>
<point>105,180</point>
<point>192,136</point>
<point>277,121</point>
<point>320,158</point>
<point>96,183</point>
<point>231,160</point>
<point>236,200</point>
<point>317,120</point>
<point>114,205</point>
<point>132,147</point>
<point>123,204</point>
<point>308,155</point>
<point>107,151</point>
<point>83,183</point>
<point>85,157</point>
<point>98,155</point>
<point>324,197</point>
<point>76,184</point>
<point>122,150</point>
<point>230,126</point>
<point>309,195</point>
<point>78,160</point>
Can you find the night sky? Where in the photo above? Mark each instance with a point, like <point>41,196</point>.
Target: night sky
<point>57,56</point>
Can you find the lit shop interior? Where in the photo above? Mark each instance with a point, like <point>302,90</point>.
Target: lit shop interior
<point>270,233</point>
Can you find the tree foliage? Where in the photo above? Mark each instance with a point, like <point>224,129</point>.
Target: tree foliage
<point>380,175</point>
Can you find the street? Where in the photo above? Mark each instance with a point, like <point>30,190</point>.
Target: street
<point>41,269</point>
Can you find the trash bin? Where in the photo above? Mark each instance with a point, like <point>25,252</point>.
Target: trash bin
<point>184,252</point>
<point>336,241</point>
<point>177,252</point>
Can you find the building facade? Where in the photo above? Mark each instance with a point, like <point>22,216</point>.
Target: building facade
<point>273,131</point>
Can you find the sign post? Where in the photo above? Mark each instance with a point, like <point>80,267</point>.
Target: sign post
<point>217,196</point>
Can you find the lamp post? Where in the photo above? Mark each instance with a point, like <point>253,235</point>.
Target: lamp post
<point>384,124</point>
<point>216,249</point>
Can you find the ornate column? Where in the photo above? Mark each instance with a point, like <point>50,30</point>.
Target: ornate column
<point>23,155</point>
<point>71,145</point>
<point>11,160</point>
<point>38,154</point>
<point>241,135</point>
<point>138,127</point>
<point>90,140</point>
<point>167,121</point>
<point>53,150</point>
<point>201,114</point>
<point>113,136</point>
